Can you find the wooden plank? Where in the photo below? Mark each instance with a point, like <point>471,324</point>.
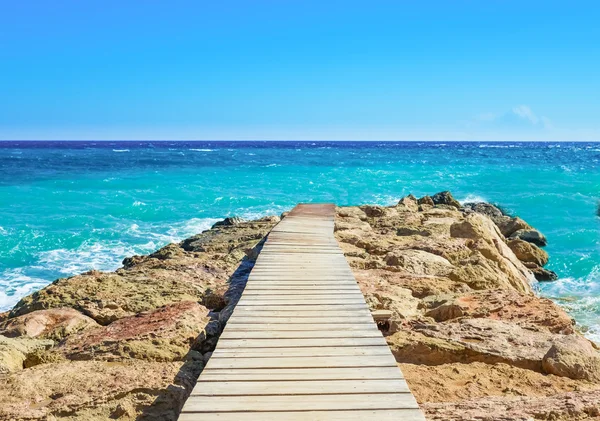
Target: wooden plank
<point>355,415</point>
<point>302,352</point>
<point>301,374</point>
<point>314,387</point>
<point>299,342</point>
<point>306,362</point>
<point>300,403</point>
<point>363,333</point>
<point>275,327</point>
<point>326,322</point>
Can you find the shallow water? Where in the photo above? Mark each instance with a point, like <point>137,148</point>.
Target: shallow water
<point>67,207</point>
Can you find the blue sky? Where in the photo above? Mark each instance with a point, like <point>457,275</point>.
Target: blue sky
<point>383,70</point>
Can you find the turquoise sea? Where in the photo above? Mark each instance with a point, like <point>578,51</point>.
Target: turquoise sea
<point>67,207</point>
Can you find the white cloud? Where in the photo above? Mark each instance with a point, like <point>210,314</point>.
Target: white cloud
<point>520,117</point>
<point>525,112</point>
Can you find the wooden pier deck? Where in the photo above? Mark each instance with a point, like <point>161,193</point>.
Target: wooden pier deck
<point>301,343</point>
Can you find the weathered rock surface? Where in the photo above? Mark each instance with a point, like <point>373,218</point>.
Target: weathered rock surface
<point>95,391</point>
<point>15,351</point>
<point>573,357</point>
<point>56,323</point>
<point>531,236</point>
<point>457,281</point>
<point>165,334</point>
<point>528,252</point>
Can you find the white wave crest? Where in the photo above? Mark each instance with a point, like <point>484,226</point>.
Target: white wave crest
<point>202,150</point>
<point>472,198</point>
<point>120,150</point>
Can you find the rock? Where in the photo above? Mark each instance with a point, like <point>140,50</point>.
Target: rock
<point>418,262</point>
<point>373,211</point>
<point>457,382</point>
<point>573,357</point>
<point>165,334</point>
<point>94,391</point>
<point>14,352</point>
<point>528,252</point>
<point>56,323</point>
<point>508,226</point>
<point>426,200</point>
<point>544,275</point>
<point>487,209</point>
<point>408,203</point>
<point>235,220</point>
<point>528,311</point>
<point>571,406</point>
<point>445,198</point>
<point>531,236</point>
<point>403,231</point>
<point>491,264</point>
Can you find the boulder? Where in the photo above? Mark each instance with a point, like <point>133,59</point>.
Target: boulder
<point>15,351</point>
<point>573,357</point>
<point>531,236</point>
<point>418,262</point>
<point>508,226</point>
<point>408,203</point>
<point>426,200</point>
<point>486,209</point>
<point>56,323</point>
<point>234,220</point>
<point>373,211</point>
<point>165,334</point>
<point>544,275</point>
<point>445,198</point>
<point>528,252</point>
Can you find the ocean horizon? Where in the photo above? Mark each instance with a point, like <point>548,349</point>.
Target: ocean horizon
<point>67,207</point>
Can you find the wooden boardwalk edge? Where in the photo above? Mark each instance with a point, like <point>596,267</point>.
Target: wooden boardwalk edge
<point>301,343</point>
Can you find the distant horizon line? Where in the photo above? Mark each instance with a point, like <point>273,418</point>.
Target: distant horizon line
<point>299,140</point>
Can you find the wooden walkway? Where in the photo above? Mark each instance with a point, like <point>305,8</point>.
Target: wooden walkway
<point>301,343</point>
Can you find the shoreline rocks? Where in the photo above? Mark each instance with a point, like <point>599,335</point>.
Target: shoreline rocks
<point>472,337</point>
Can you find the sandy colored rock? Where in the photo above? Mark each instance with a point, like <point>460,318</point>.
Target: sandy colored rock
<point>165,334</point>
<point>573,357</point>
<point>528,311</point>
<point>570,406</point>
<point>531,236</point>
<point>456,382</point>
<point>56,323</point>
<point>418,262</point>
<point>94,391</point>
<point>15,351</point>
<point>528,252</point>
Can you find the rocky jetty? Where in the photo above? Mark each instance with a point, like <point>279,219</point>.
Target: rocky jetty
<point>470,335</point>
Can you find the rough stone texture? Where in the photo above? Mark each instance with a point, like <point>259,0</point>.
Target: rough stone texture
<point>571,406</point>
<point>457,381</point>
<point>527,311</point>
<point>15,351</point>
<point>165,334</point>
<point>528,252</point>
<point>95,391</point>
<point>531,236</point>
<point>544,275</point>
<point>56,323</point>
<point>445,198</point>
<point>573,357</point>
<point>463,309</point>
